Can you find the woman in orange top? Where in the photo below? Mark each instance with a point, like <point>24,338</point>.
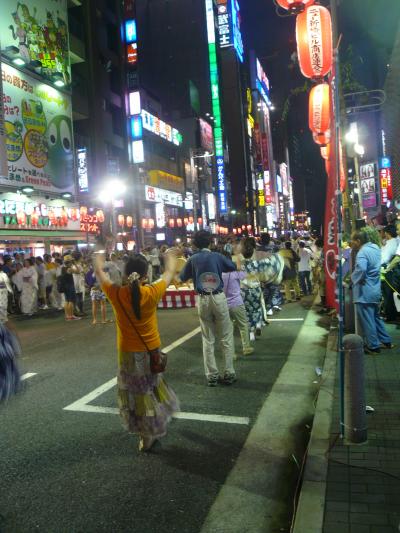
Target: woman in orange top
<point>145,401</point>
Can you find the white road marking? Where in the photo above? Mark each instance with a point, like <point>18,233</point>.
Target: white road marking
<point>286,320</point>
<point>28,375</point>
<point>82,404</point>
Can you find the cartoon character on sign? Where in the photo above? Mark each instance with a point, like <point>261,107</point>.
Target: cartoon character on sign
<point>14,141</point>
<point>20,34</point>
<point>35,144</point>
<point>59,138</point>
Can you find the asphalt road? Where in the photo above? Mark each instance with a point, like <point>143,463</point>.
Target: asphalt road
<point>69,471</point>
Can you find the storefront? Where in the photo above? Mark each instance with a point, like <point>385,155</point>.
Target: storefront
<point>36,225</point>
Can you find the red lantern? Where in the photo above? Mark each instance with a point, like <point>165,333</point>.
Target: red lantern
<point>191,220</point>
<point>328,166</point>
<point>179,222</point>
<point>34,219</point>
<point>325,151</point>
<point>151,223</point>
<point>74,213</point>
<point>319,108</point>
<point>186,221</point>
<point>129,221</point>
<point>100,216</point>
<point>294,6</point>
<point>83,211</point>
<point>240,231</point>
<point>21,218</point>
<point>243,227</point>
<point>145,223</point>
<point>171,222</point>
<point>322,138</point>
<point>121,221</point>
<point>200,221</point>
<point>234,231</point>
<point>314,42</point>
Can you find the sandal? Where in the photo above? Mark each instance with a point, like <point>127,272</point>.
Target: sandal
<point>147,443</point>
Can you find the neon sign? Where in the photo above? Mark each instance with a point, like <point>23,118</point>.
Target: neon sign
<point>82,170</point>
<point>216,106</point>
<point>237,35</point>
<point>161,128</point>
<point>130,31</point>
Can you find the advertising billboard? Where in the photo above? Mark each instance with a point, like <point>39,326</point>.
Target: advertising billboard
<point>38,31</point>
<point>206,135</point>
<point>38,128</point>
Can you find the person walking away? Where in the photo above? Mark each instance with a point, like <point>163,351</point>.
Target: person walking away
<point>305,255</point>
<point>367,289</point>
<point>67,287</point>
<point>29,293</point>
<point>237,309</point>
<point>5,291</point>
<point>388,252</point>
<point>267,270</point>
<point>41,270</point>
<point>205,268</point>
<point>145,400</point>
<point>290,272</point>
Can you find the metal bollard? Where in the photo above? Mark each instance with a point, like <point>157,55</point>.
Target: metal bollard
<point>355,418</point>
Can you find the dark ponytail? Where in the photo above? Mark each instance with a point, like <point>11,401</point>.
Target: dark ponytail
<point>136,264</point>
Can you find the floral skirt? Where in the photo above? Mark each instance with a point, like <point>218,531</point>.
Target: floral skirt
<point>146,402</point>
<point>253,302</point>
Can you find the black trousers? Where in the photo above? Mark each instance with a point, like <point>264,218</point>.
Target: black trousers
<point>388,303</point>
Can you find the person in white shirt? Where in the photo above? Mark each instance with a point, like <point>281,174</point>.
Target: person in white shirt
<point>5,290</point>
<point>390,247</point>
<point>305,255</point>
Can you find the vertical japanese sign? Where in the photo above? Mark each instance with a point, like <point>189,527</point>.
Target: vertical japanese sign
<point>218,134</point>
<point>229,26</point>
<point>331,233</point>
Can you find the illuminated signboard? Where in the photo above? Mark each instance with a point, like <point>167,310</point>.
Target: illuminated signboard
<point>82,170</point>
<point>385,162</point>
<point>385,176</point>
<point>237,34</point>
<point>130,31</point>
<point>224,24</point>
<point>211,206</point>
<point>267,187</point>
<point>131,53</point>
<point>216,106</point>
<point>135,107</point>
<point>137,152</point>
<point>160,128</point>
<point>154,194</point>
<point>136,127</point>
<point>90,224</point>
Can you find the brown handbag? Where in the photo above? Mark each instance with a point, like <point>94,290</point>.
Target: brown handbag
<point>158,359</point>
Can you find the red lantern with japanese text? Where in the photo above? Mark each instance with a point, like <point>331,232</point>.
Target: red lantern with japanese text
<point>314,42</point>
<point>319,108</point>
<point>21,218</point>
<point>121,221</point>
<point>145,223</point>
<point>295,6</point>
<point>322,139</point>
<point>179,222</point>
<point>151,223</point>
<point>171,222</point>
<point>34,219</point>
<point>129,221</point>
<point>326,151</point>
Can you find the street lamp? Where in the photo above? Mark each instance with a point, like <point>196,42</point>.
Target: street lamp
<point>357,150</point>
<point>113,189</point>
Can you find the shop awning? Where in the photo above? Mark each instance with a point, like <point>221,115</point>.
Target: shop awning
<point>23,235</point>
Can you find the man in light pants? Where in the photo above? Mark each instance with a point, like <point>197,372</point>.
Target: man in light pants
<point>205,268</point>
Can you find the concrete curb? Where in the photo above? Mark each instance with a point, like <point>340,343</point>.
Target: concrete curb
<point>257,491</point>
<point>311,504</point>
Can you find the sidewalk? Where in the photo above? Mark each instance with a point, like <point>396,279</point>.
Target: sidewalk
<point>363,483</point>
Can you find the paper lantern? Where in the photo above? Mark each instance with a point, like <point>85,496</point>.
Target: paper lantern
<point>186,221</point>
<point>21,218</point>
<point>234,231</point>
<point>34,219</point>
<point>171,222</point>
<point>179,222</point>
<point>129,221</point>
<point>100,216</point>
<point>145,223</point>
<point>200,221</point>
<point>239,231</point>
<point>121,220</point>
<point>151,223</point>
<point>294,6</point>
<point>322,138</point>
<point>325,151</point>
<point>314,42</point>
<point>83,211</point>
<point>319,108</point>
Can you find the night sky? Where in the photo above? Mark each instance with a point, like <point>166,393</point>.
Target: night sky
<point>368,26</point>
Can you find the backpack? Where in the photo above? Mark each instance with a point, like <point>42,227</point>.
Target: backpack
<point>60,284</point>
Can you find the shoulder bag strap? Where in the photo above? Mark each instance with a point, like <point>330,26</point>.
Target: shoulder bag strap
<point>131,321</point>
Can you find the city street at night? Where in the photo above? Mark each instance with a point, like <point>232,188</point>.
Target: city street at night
<point>79,471</point>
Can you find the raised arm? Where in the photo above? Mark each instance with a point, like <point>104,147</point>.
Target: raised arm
<point>99,260</point>
<point>170,259</point>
